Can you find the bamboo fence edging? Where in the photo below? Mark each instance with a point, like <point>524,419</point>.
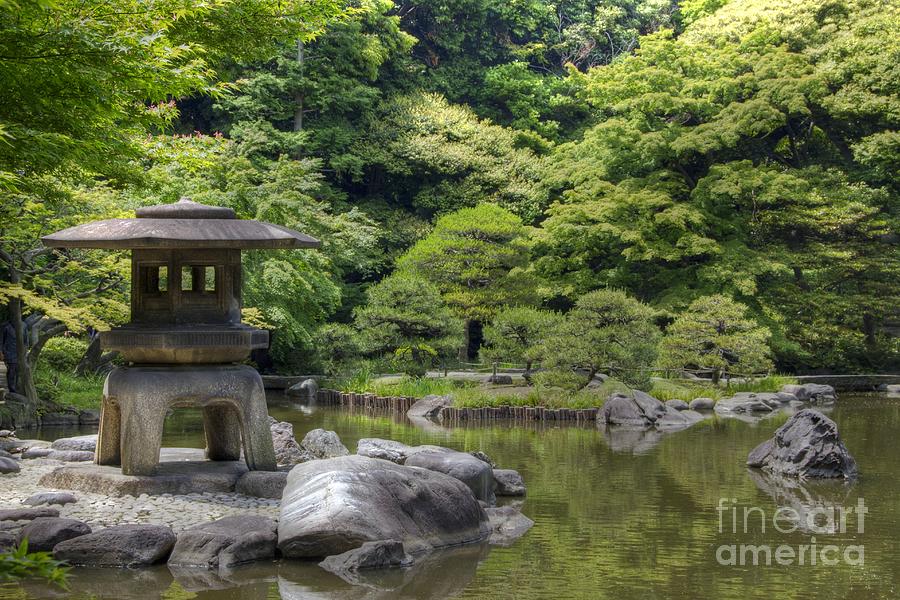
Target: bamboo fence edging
<point>453,414</point>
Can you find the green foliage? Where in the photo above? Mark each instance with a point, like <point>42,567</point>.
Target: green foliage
<point>725,161</point>
<point>408,315</point>
<point>67,390</point>
<point>516,334</point>
<point>606,332</point>
<point>715,335</point>
<point>63,353</point>
<point>440,157</point>
<point>477,257</point>
<point>17,563</point>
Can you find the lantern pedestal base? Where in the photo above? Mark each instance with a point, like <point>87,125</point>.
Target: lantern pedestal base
<point>136,400</point>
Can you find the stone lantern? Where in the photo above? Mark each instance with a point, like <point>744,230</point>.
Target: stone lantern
<point>185,341</point>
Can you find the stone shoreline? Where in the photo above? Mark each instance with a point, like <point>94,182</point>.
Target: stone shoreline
<point>179,511</point>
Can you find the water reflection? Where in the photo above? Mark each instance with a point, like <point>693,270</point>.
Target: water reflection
<point>619,515</point>
<point>810,504</point>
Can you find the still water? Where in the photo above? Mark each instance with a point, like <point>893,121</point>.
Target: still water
<point>623,517</point>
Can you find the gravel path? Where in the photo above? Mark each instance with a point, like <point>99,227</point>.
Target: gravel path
<point>98,510</point>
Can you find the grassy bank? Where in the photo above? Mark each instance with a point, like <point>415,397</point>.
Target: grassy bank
<point>471,395</point>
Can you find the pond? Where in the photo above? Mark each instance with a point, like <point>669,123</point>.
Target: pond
<point>620,517</point>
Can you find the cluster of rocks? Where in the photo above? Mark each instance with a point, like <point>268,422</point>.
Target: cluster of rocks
<point>386,506</point>
<point>788,395</point>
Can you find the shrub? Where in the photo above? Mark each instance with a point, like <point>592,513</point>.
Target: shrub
<point>63,353</point>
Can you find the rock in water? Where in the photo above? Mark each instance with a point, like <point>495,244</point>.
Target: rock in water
<point>807,446</point>
<point>474,472</point>
<point>509,483</point>
<point>677,404</point>
<point>508,525</point>
<point>225,543</point>
<point>287,450</point>
<point>429,406</point>
<point>119,546</point>
<point>642,410</point>
<point>71,455</point>
<point>44,533</point>
<point>323,444</point>
<point>371,555</point>
<point>305,390</point>
<point>702,404</point>
<point>817,393</point>
<point>334,505</point>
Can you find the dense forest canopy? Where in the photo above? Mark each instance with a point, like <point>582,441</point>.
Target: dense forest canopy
<point>671,150</point>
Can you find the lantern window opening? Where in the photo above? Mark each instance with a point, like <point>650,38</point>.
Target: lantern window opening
<point>199,279</point>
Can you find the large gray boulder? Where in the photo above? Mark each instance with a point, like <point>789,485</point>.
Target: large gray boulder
<point>287,450</point>
<point>429,406</point>
<point>84,443</point>
<point>807,446</point>
<point>677,404</point>
<point>8,465</point>
<point>508,482</point>
<point>44,533</point>
<point>334,505</point>
<point>323,444</point>
<point>641,411</point>
<point>119,546</point>
<point>817,393</point>
<point>475,473</point>
<point>384,449</point>
<point>36,452</point>
<point>224,543</point>
<point>382,554</point>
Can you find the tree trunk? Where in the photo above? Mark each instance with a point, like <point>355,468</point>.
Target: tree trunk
<point>26,376</point>
<point>464,350</point>
<point>716,375</point>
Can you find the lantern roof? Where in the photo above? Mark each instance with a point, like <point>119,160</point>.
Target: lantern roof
<point>184,224</point>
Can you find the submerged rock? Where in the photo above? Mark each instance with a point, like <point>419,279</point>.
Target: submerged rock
<point>119,546</point>
<point>508,483</point>
<point>44,533</point>
<point>323,444</point>
<point>333,505</point>
<point>807,446</point>
<point>508,524</point>
<point>224,543</point>
<point>382,554</point>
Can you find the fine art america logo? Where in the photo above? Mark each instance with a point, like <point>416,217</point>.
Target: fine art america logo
<point>819,520</point>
